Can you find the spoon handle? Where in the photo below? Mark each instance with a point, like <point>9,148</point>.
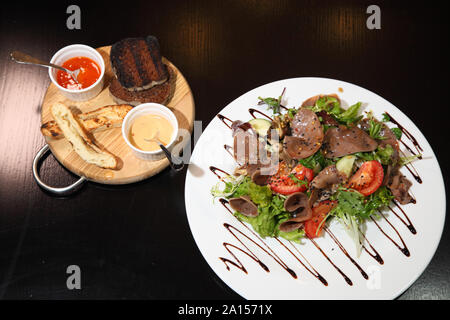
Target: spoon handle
<point>21,57</point>
<point>176,166</point>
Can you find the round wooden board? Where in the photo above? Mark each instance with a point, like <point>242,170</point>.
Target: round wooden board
<point>131,169</point>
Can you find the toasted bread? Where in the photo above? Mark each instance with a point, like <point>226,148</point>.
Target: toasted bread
<point>137,63</point>
<point>100,119</point>
<point>82,144</point>
<point>159,94</point>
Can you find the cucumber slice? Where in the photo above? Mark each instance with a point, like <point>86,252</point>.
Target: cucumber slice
<point>261,126</point>
<point>345,164</point>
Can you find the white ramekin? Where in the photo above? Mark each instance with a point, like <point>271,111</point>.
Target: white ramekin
<point>144,109</point>
<point>72,51</point>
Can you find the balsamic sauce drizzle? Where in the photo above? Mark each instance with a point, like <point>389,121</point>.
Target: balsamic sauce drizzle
<point>406,133</point>
<point>253,111</point>
<point>272,254</point>
<point>417,146</point>
<point>347,279</point>
<point>407,223</point>
<point>404,250</point>
<point>214,169</point>
<point>419,155</point>
<point>375,253</point>
<point>311,269</point>
<point>237,263</point>
<point>411,168</point>
<point>223,118</point>
<point>363,273</point>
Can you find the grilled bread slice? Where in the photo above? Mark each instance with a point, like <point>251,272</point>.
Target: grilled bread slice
<point>100,119</point>
<point>159,94</point>
<point>81,143</point>
<point>137,63</point>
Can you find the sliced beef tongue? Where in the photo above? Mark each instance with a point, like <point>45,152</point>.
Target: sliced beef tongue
<point>399,186</point>
<point>341,141</point>
<point>307,135</point>
<point>300,207</point>
<point>244,205</point>
<point>328,178</point>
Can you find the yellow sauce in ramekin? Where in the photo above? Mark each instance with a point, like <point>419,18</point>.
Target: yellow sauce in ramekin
<point>147,127</point>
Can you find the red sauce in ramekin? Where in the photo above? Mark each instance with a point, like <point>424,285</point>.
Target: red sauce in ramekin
<point>89,73</point>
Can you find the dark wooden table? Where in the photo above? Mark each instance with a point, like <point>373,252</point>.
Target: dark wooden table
<point>133,241</point>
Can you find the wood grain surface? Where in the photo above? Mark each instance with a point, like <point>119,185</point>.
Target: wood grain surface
<point>133,241</point>
<point>131,169</point>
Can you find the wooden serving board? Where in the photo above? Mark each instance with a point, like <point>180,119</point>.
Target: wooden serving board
<point>131,169</point>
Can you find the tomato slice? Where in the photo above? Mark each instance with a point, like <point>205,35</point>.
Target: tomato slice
<point>313,227</point>
<point>283,183</point>
<point>368,178</point>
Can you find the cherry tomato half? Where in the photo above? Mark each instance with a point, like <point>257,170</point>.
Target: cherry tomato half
<point>314,226</point>
<point>368,178</point>
<point>283,183</point>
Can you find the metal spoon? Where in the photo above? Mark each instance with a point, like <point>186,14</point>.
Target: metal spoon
<point>175,162</point>
<point>24,58</point>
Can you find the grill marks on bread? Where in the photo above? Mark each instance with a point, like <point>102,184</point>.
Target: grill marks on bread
<point>137,63</point>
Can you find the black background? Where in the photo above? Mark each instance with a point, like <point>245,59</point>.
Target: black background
<point>134,242</point>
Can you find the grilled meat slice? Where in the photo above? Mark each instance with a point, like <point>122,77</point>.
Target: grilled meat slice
<point>307,135</point>
<point>399,186</point>
<point>342,141</point>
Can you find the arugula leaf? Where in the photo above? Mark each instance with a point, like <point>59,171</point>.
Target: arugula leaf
<point>350,116</point>
<point>385,118</point>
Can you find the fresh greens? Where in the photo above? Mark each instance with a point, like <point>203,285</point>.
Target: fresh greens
<point>292,112</point>
<point>382,155</point>
<point>271,211</point>
<point>350,116</point>
<point>273,103</point>
<point>231,184</point>
<point>353,209</point>
<point>332,106</point>
<point>260,195</point>
<point>397,132</point>
<point>315,162</point>
<point>374,129</point>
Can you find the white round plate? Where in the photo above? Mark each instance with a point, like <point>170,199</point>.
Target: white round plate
<point>385,281</point>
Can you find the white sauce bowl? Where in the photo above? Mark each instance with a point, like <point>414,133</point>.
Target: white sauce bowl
<point>145,109</point>
<point>72,51</point>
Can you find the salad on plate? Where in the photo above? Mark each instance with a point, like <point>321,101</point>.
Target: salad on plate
<point>302,167</point>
